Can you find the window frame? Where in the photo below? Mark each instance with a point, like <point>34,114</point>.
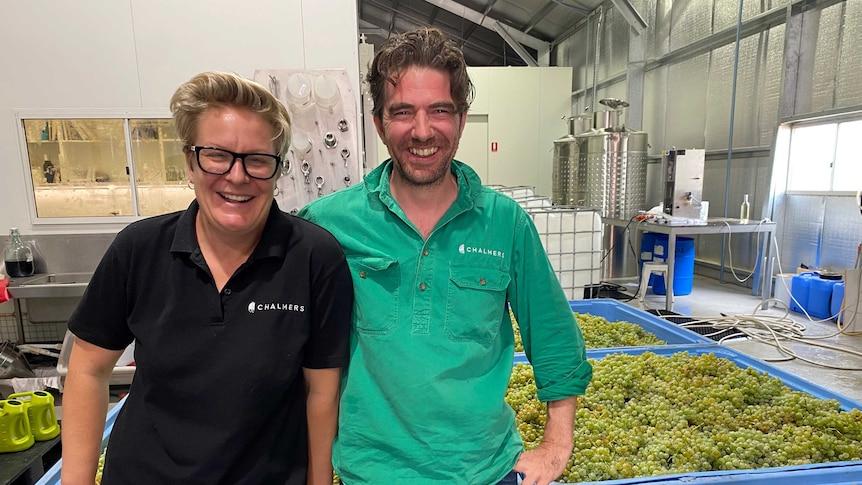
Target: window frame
<point>831,119</point>
<point>99,223</point>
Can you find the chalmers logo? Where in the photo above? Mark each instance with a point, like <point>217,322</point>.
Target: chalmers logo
<point>285,307</point>
<point>464,249</point>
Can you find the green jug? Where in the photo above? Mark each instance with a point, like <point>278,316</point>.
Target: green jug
<point>41,413</point>
<point>15,432</point>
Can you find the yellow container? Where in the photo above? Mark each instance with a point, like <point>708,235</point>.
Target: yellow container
<point>40,412</point>
<point>15,432</point>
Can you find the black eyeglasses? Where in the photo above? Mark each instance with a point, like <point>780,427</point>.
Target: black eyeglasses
<point>217,161</point>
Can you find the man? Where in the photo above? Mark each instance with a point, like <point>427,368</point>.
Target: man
<point>435,258</point>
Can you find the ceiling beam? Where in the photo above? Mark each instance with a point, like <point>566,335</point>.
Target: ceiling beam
<point>473,26</point>
<point>368,28</point>
<point>517,47</point>
<point>489,23</point>
<point>542,13</point>
<point>433,17</point>
<point>631,15</point>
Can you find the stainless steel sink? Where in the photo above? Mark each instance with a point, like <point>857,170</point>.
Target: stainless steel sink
<point>52,285</point>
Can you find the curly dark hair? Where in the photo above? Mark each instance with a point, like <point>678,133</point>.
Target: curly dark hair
<point>423,47</point>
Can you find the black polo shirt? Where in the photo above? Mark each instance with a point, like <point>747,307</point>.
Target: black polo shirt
<point>218,395</point>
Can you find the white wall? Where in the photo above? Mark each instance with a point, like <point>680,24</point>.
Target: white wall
<point>521,109</point>
<point>93,54</point>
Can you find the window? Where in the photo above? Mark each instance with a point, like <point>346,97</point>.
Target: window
<point>104,169</point>
<point>824,157</point>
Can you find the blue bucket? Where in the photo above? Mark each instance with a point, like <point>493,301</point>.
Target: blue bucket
<point>683,267</point>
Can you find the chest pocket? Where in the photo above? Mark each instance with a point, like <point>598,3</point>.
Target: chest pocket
<point>475,303</point>
<point>376,284</point>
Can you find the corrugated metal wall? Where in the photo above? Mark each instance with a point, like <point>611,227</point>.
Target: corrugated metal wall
<point>690,62</point>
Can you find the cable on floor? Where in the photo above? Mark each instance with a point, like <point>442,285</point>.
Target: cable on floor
<point>776,331</point>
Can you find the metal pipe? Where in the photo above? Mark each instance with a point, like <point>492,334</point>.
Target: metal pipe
<point>730,135</point>
<point>596,56</point>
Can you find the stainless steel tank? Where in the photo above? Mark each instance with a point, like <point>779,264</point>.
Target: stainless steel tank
<point>604,167</point>
<point>610,171</point>
<point>564,174</point>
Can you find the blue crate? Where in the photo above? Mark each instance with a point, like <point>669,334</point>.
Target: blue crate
<point>835,473</point>
<point>52,476</point>
<point>612,311</point>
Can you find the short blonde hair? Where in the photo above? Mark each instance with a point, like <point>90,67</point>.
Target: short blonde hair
<point>213,89</point>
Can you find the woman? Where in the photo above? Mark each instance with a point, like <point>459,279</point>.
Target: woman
<point>240,315</point>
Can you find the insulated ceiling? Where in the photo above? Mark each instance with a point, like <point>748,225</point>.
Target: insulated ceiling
<point>491,32</point>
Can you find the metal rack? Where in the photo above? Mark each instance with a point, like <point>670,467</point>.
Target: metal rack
<point>571,236</point>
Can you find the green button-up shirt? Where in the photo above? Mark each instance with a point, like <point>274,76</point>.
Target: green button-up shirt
<point>432,344</point>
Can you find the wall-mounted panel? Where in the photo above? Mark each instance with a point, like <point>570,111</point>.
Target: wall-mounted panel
<point>166,35</point>
<point>66,55</point>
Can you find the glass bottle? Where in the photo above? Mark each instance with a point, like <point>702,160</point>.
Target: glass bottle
<point>18,256</point>
<point>744,209</point>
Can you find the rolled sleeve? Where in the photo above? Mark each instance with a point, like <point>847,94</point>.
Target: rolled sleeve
<point>553,342</point>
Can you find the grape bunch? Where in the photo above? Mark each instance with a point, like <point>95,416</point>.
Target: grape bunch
<point>650,415</point>
<point>600,333</point>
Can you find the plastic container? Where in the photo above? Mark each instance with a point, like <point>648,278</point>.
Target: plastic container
<point>41,414</point>
<point>15,434</point>
<point>836,301</point>
<point>298,90</point>
<point>800,287</point>
<point>326,92</point>
<point>683,267</point>
<point>820,296</point>
<point>783,282</point>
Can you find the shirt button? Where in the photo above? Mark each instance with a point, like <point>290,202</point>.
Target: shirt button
<point>362,274</point>
<point>424,252</point>
<point>482,281</point>
<point>422,286</point>
<point>227,291</point>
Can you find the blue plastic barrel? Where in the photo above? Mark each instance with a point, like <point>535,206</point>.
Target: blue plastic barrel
<point>647,247</point>
<point>800,287</point>
<point>837,300</point>
<point>683,267</point>
<point>820,296</point>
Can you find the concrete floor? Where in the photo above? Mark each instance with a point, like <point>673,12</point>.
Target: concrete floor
<point>710,299</point>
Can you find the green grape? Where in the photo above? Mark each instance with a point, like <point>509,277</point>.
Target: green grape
<point>600,333</point>
<point>651,415</point>
<point>101,466</point>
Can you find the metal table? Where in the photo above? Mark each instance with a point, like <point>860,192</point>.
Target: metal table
<point>714,225</point>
